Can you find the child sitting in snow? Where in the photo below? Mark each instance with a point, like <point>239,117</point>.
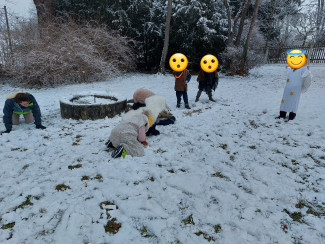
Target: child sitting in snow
<point>128,136</point>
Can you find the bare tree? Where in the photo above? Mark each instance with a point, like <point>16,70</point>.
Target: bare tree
<point>242,22</point>
<point>243,67</point>
<point>320,19</point>
<point>166,41</point>
<point>269,28</point>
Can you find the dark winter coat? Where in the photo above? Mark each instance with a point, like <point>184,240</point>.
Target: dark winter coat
<point>12,107</point>
<point>207,80</point>
<point>180,80</point>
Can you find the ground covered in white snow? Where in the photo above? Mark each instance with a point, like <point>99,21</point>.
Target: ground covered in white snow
<point>225,172</point>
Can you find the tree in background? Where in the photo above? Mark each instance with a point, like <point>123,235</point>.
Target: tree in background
<point>196,26</point>
<point>45,10</point>
<point>166,40</point>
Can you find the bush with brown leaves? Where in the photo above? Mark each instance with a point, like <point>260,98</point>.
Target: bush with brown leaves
<point>67,52</point>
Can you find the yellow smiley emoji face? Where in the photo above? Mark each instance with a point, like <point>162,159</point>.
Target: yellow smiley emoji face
<point>209,63</point>
<point>296,58</point>
<point>178,62</point>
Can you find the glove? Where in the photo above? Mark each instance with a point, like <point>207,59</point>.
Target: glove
<point>6,131</point>
<point>40,127</point>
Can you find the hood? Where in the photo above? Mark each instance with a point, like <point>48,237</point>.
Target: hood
<point>155,104</point>
<point>13,95</point>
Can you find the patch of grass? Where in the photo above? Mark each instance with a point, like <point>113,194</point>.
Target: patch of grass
<point>8,226</point>
<point>99,178</point>
<point>152,179</point>
<point>252,147</point>
<point>317,210</point>
<point>15,149</point>
<point>295,216</point>
<point>85,177</point>
<point>232,158</point>
<point>189,220</point>
<point>223,146</point>
<point>145,233</point>
<point>220,175</point>
<point>171,171</point>
<point>112,226</point>
<point>74,166</point>
<point>27,202</point>
<point>217,228</point>
<point>205,236</point>
<point>62,187</point>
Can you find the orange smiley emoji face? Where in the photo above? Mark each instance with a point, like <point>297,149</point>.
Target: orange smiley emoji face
<point>209,63</point>
<point>296,58</point>
<point>178,62</point>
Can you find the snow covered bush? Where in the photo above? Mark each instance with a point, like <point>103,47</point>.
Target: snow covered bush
<point>68,53</point>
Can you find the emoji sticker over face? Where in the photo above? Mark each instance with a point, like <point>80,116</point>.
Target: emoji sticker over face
<point>178,62</point>
<point>209,63</point>
<point>296,58</point>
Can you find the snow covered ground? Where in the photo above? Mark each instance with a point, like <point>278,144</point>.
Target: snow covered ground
<point>225,172</point>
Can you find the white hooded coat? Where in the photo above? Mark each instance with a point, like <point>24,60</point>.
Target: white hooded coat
<point>126,134</point>
<point>293,89</point>
<point>154,104</point>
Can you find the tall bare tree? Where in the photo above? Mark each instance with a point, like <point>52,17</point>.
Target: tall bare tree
<point>320,18</point>
<point>243,68</point>
<point>166,41</point>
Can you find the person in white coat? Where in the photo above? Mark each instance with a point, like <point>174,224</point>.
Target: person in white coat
<point>298,80</point>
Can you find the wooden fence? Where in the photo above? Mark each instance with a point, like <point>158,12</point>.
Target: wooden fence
<point>316,54</point>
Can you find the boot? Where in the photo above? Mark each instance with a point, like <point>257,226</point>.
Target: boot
<point>292,115</point>
<point>187,106</point>
<point>282,115</point>
<point>109,144</point>
<point>119,152</point>
<point>210,96</point>
<point>178,105</point>
<point>198,95</point>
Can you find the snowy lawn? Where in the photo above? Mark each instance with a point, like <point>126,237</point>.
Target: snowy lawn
<point>225,172</point>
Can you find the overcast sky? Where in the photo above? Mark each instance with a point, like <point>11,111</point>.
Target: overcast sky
<point>26,8</point>
<point>20,8</point>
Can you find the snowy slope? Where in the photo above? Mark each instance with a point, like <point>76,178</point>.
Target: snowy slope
<point>225,172</point>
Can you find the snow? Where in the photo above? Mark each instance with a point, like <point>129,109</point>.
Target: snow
<point>227,164</point>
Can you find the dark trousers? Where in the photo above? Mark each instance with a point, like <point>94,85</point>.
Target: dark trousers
<point>179,95</point>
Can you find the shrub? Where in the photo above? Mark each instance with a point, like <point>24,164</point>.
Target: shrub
<point>67,52</point>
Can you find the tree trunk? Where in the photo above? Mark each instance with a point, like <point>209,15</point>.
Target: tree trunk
<point>269,32</point>
<point>166,41</point>
<point>319,19</point>
<point>242,22</point>
<point>243,68</point>
<point>230,30</point>
<point>45,11</point>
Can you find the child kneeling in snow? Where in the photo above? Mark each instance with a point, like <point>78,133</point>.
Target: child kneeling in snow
<point>144,97</point>
<point>128,136</point>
